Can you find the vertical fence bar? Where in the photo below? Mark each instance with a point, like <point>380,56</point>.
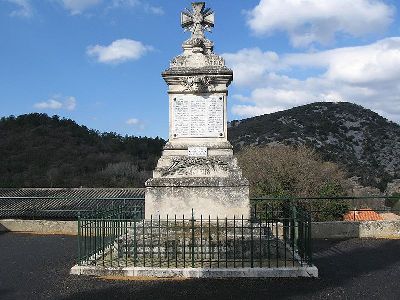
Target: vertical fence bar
<point>103,236</point>
<point>95,241</point>
<point>117,225</point>
<point>143,244</point>
<point>90,239</point>
<point>151,240</point>
<point>268,236</point>
<point>251,246</point>
<point>226,242</point>
<point>309,242</point>
<point>127,246</point>
<point>234,241</point>
<point>79,239</point>
<point>167,243</point>
<point>285,230</point>
<point>175,246</point>
<point>110,229</point>
<point>209,240</point>
<point>192,248</point>
<point>159,240</point>
<point>184,241</point>
<point>277,238</point>
<point>201,239</point>
<point>260,242</point>
<point>134,244</point>
<point>242,244</point>
<point>218,242</point>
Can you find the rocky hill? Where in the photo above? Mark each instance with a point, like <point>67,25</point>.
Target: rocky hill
<point>361,141</point>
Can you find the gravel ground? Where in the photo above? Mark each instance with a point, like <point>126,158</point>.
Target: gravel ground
<point>37,267</point>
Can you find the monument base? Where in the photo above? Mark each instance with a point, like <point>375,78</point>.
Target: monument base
<point>205,196</point>
<point>210,186</point>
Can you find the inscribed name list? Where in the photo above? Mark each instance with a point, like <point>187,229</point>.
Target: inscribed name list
<point>198,116</point>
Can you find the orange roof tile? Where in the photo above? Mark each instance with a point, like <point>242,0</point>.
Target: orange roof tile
<point>365,214</point>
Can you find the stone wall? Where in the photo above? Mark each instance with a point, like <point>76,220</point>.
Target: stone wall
<point>39,226</point>
<point>369,229</point>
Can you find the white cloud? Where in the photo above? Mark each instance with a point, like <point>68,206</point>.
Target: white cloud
<point>135,122</point>
<point>368,75</point>
<point>311,21</point>
<point>132,121</point>
<point>70,103</point>
<point>23,10</point>
<point>375,63</point>
<point>156,10</point>
<point>57,102</point>
<point>76,7</point>
<point>251,64</point>
<point>118,51</point>
<point>124,3</point>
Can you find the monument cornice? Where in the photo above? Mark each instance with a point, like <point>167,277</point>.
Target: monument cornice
<point>197,71</point>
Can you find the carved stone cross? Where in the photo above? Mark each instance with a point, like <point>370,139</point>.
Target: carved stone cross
<point>198,20</point>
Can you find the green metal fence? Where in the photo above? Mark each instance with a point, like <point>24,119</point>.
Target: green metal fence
<point>331,208</point>
<point>121,238</point>
<point>68,208</point>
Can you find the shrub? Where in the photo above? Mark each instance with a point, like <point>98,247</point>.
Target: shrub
<point>285,171</point>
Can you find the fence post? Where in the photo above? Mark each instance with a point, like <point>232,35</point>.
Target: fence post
<point>309,242</point>
<point>251,245</point>
<point>79,239</point>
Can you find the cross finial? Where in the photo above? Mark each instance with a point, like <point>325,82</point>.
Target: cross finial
<point>198,20</point>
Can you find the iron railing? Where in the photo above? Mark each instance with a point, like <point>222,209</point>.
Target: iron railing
<point>68,208</point>
<point>331,208</point>
<point>117,238</point>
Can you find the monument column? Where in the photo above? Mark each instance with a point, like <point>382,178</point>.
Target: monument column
<point>197,169</point>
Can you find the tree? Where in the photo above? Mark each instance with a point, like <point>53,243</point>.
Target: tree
<point>285,171</point>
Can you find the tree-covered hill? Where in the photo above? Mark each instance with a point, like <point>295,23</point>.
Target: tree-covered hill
<point>41,151</point>
<point>361,141</point>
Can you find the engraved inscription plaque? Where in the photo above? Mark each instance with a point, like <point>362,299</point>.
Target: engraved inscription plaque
<point>198,116</point>
<point>197,151</point>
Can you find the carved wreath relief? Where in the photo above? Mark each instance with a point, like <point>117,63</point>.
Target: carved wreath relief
<point>196,166</point>
<point>198,84</point>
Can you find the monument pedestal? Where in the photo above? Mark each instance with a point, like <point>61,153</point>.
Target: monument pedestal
<point>197,169</point>
<point>211,186</point>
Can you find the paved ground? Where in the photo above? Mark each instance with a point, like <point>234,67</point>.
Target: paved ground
<point>36,267</point>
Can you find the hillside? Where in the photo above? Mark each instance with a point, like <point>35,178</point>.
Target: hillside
<point>361,141</point>
<point>41,151</point>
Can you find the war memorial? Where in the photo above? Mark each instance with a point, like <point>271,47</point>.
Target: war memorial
<point>198,221</point>
<point>197,169</point>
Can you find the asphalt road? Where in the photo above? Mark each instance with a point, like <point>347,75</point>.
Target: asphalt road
<point>37,267</point>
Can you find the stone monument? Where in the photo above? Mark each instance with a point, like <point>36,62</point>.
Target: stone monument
<point>197,169</point>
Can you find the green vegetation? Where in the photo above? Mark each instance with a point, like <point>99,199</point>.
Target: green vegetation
<point>288,172</point>
<point>41,151</point>
<point>285,171</point>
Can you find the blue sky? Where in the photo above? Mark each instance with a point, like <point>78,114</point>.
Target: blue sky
<point>99,62</point>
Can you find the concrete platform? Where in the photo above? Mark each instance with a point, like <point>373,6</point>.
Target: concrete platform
<point>286,272</point>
